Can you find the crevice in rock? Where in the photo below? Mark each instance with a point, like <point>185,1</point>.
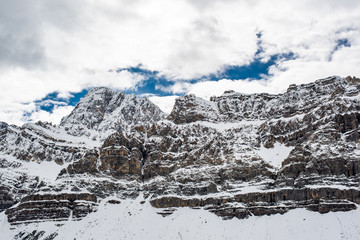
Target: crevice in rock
<point>143,162</point>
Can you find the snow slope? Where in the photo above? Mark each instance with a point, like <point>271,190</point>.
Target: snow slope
<point>46,171</point>
<point>133,220</point>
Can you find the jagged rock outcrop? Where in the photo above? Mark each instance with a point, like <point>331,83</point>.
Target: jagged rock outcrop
<point>104,110</point>
<point>190,108</point>
<point>269,202</point>
<point>121,156</point>
<point>52,207</point>
<point>236,155</point>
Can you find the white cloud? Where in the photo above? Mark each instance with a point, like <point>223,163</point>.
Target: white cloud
<point>13,113</point>
<point>66,46</point>
<point>208,89</point>
<point>54,117</point>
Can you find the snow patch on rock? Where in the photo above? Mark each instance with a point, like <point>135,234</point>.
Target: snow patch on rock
<point>276,155</point>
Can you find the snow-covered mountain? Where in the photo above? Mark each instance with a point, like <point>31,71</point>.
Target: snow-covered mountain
<point>235,157</point>
<point>103,110</point>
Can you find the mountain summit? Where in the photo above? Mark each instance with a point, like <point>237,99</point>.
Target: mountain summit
<point>103,109</point>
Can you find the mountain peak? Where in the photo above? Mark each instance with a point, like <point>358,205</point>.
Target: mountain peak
<point>104,109</point>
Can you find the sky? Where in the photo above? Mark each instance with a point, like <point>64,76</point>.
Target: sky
<point>53,52</point>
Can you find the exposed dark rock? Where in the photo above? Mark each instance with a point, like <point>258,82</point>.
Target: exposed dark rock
<point>267,203</point>
<point>114,201</point>
<point>33,208</point>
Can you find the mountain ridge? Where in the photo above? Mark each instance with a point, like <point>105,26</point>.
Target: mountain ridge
<point>236,155</point>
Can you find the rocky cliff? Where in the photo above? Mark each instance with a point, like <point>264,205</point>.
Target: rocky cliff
<point>236,155</point>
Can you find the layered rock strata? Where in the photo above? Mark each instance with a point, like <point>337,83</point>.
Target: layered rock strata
<point>236,155</point>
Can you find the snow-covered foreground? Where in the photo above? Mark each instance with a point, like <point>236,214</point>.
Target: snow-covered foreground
<point>132,220</point>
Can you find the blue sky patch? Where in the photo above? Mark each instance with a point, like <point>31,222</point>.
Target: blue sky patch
<point>340,43</point>
<point>149,85</point>
<point>255,70</point>
<point>53,100</point>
